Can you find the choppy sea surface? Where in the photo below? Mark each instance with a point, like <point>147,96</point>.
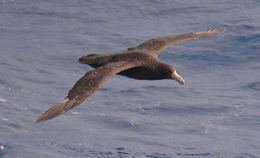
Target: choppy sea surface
<point>215,115</point>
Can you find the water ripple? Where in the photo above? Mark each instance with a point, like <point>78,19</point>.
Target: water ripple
<point>253,86</point>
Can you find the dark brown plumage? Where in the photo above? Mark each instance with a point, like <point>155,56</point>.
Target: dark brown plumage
<point>139,62</point>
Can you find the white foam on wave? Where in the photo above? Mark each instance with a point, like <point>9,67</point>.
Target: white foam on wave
<point>75,113</point>
<point>2,147</point>
<point>4,119</point>
<point>3,100</point>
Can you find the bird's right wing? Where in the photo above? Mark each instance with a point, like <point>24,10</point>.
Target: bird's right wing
<point>156,45</point>
<point>86,86</point>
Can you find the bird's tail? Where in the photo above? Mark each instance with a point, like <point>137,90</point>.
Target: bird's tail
<point>95,60</point>
<point>88,59</point>
<point>54,111</point>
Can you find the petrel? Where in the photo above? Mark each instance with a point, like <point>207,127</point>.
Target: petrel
<point>141,63</point>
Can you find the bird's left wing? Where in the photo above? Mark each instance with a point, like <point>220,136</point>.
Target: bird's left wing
<point>86,86</point>
<point>156,45</point>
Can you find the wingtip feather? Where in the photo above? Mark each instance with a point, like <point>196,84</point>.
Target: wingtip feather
<point>54,111</point>
<point>211,32</point>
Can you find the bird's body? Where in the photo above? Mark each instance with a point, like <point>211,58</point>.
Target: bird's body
<point>149,70</point>
<point>139,62</point>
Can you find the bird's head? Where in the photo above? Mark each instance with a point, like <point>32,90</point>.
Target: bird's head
<point>171,73</point>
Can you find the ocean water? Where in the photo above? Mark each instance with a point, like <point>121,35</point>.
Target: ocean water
<point>215,115</point>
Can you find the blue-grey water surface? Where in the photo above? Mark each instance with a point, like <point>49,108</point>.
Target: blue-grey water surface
<point>215,115</point>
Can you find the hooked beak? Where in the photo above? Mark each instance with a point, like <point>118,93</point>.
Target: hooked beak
<point>178,78</point>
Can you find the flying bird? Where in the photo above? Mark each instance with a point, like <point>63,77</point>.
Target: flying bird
<point>140,62</point>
